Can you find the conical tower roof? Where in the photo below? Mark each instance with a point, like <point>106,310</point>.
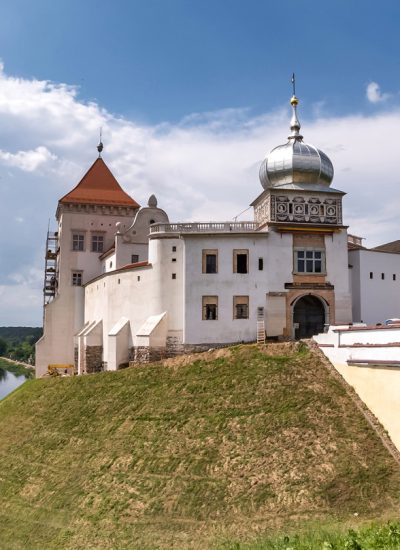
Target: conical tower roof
<point>99,186</point>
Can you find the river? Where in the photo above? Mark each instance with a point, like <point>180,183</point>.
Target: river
<point>9,382</point>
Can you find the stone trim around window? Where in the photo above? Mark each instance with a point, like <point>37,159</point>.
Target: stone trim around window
<point>241,260</point>
<point>308,261</point>
<point>240,307</point>
<point>78,241</point>
<point>97,242</point>
<point>76,278</point>
<point>209,308</point>
<point>209,260</point>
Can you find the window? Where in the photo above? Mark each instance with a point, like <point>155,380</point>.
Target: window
<point>174,249</point>
<point>260,264</point>
<point>240,261</point>
<point>210,308</point>
<point>78,241</point>
<point>97,243</point>
<point>77,278</point>
<point>174,275</point>
<point>394,276</point>
<point>134,258</point>
<point>174,259</point>
<point>371,274</point>
<point>309,261</point>
<point>382,276</point>
<point>240,307</point>
<point>210,261</point>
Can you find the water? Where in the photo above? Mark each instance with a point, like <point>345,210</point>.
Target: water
<point>9,382</point>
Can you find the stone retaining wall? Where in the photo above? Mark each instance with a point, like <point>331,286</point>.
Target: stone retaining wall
<point>93,359</point>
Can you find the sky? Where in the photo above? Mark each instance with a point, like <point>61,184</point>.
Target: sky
<point>190,96</point>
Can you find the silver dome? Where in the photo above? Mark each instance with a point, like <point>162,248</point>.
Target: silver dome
<point>295,161</point>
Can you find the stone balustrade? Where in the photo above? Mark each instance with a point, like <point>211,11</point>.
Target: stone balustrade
<point>204,227</point>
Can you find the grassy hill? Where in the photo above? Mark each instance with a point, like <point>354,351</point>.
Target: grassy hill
<point>221,446</point>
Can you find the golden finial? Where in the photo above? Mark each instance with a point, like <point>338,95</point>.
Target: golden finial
<point>294,123</point>
<point>294,100</point>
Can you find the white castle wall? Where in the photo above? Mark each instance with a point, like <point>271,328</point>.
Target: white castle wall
<point>377,299</point>
<point>378,386</point>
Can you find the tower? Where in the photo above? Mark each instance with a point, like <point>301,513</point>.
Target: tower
<point>301,210</point>
<point>86,218</point>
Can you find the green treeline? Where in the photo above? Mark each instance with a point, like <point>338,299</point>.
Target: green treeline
<point>18,343</point>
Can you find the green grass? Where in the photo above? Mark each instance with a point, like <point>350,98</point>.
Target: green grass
<point>383,536</point>
<point>189,456</point>
<point>16,368</point>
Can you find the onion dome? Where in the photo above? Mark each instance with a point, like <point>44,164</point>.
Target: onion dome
<point>296,162</point>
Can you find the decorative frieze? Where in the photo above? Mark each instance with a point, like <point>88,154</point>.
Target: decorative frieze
<point>304,209</point>
<point>298,209</point>
<point>262,210</point>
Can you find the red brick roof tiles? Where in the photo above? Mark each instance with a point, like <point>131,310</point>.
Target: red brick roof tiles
<point>99,186</point>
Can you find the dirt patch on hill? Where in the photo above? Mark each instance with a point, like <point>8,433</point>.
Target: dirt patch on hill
<point>210,355</point>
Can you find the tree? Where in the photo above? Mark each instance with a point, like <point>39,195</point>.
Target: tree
<point>3,347</point>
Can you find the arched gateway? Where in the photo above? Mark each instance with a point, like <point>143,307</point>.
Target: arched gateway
<point>309,316</point>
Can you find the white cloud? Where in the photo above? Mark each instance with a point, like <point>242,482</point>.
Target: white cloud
<point>374,93</point>
<point>205,167</point>
<point>28,161</point>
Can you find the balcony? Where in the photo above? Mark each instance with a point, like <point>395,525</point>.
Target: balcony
<point>204,227</point>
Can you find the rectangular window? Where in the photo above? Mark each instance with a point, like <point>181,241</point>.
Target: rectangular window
<point>210,308</point>
<point>309,261</point>
<point>209,261</point>
<point>240,261</point>
<point>77,278</point>
<point>240,307</point>
<point>371,274</point>
<point>97,243</point>
<point>78,241</point>
<point>134,258</point>
<point>174,275</point>
<point>174,249</point>
<point>394,276</point>
<point>382,276</point>
<point>260,264</point>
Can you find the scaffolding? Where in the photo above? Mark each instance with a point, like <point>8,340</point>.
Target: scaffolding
<point>50,267</point>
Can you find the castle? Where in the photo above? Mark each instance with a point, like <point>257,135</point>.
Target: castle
<point>123,283</point>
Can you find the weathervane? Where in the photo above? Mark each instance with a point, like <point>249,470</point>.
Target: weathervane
<point>100,145</point>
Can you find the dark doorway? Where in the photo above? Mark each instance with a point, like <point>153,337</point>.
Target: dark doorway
<point>308,317</point>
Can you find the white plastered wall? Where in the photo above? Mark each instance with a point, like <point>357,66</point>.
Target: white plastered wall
<point>337,274</point>
<point>376,299</point>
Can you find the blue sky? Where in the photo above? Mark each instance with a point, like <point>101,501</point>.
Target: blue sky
<point>191,95</point>
<point>158,60</point>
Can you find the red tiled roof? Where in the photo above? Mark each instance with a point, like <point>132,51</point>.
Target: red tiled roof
<point>99,186</point>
